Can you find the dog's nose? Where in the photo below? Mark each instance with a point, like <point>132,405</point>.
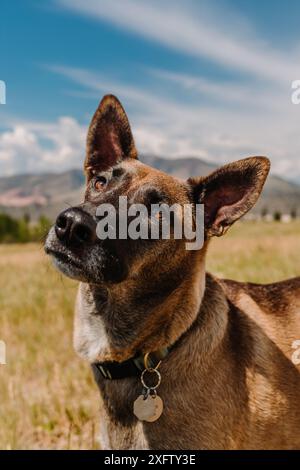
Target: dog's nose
<point>74,226</point>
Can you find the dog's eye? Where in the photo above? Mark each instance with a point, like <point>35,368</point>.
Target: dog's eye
<point>100,183</point>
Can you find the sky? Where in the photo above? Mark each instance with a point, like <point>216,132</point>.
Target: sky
<point>209,79</point>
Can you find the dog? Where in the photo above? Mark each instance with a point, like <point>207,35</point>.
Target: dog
<point>221,350</point>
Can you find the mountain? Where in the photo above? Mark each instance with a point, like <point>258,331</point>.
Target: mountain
<point>51,192</point>
<point>46,193</point>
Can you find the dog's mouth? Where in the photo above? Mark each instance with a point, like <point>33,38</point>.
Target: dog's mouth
<point>93,263</point>
<point>64,258</point>
<point>71,265</point>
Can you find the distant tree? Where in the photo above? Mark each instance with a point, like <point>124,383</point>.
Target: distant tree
<point>27,218</point>
<point>24,234</point>
<point>264,212</point>
<point>277,216</point>
<point>294,213</point>
<point>9,229</point>
<point>41,228</point>
<point>21,230</point>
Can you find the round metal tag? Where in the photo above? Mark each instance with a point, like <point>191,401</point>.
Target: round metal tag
<point>148,409</point>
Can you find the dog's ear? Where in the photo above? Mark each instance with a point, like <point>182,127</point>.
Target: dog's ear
<point>229,192</point>
<point>109,138</point>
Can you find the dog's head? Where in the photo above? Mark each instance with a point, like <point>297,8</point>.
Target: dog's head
<point>113,170</point>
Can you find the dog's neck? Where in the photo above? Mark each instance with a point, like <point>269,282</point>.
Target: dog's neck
<point>139,317</point>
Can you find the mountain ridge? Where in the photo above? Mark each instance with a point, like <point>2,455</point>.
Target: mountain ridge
<point>49,193</point>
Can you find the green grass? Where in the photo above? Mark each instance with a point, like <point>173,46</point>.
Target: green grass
<point>48,398</point>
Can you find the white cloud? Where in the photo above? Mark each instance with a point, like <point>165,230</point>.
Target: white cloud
<point>227,93</point>
<point>198,29</point>
<point>183,114</point>
<point>30,147</point>
<point>264,122</point>
<point>163,127</point>
<point>179,114</point>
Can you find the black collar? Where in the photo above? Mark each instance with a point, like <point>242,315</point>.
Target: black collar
<point>130,368</point>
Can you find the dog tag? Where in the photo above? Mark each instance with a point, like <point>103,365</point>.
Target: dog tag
<point>149,408</point>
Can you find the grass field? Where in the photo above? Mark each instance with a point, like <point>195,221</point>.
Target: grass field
<point>48,398</point>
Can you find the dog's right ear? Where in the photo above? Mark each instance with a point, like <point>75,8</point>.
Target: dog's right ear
<point>109,138</point>
<point>229,192</point>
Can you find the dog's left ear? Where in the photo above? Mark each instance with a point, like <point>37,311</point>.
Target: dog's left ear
<point>109,138</point>
<point>229,192</point>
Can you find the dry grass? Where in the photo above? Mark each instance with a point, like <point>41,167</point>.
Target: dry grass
<point>48,398</point>
<point>47,395</point>
<point>257,252</point>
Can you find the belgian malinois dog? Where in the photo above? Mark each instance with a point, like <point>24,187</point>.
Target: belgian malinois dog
<point>221,351</point>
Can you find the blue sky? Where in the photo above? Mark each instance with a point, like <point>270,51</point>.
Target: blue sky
<point>201,78</point>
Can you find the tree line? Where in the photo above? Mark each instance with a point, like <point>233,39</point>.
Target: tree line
<point>22,230</point>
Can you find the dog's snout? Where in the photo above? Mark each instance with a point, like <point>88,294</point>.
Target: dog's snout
<point>75,226</point>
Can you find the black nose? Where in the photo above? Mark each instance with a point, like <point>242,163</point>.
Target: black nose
<point>74,227</point>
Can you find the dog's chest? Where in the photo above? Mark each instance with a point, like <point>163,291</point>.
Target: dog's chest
<point>119,429</point>
<point>90,337</point>
<point>113,435</point>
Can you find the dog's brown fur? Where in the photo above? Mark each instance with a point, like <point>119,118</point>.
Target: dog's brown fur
<point>229,382</point>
